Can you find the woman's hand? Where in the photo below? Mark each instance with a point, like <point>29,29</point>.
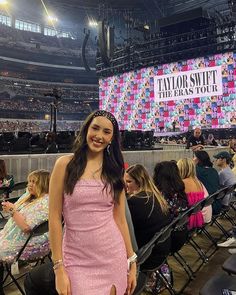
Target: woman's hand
<point>62,282</point>
<point>8,207</point>
<point>132,279</point>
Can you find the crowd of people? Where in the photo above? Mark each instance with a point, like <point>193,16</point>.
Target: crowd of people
<point>93,193</point>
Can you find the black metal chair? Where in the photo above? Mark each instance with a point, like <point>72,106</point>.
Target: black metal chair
<point>217,283</point>
<point>146,252</point>
<point>230,265</point>
<point>3,219</point>
<point>37,231</point>
<point>19,186</point>
<point>224,211</point>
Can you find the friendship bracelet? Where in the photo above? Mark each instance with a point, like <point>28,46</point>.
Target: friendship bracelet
<point>57,264</point>
<point>57,261</point>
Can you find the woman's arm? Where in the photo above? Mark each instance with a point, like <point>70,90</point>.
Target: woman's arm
<point>120,219</point>
<point>19,219</point>
<point>56,190</point>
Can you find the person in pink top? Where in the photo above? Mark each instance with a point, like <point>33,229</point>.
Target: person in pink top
<point>94,256</point>
<point>195,191</point>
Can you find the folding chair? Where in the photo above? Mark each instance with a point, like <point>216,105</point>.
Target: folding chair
<point>146,252</point>
<point>217,283</point>
<point>230,265</point>
<point>219,196</point>
<point>37,231</point>
<point>19,186</point>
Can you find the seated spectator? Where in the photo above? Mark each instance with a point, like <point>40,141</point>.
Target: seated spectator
<point>195,141</point>
<point>6,181</point>
<point>29,211</point>
<point>149,211</point>
<point>208,176</point>
<point>167,179</point>
<point>52,147</point>
<point>195,191</point>
<point>226,176</point>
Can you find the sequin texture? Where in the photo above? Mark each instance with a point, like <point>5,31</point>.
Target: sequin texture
<point>93,248</point>
<point>12,238</point>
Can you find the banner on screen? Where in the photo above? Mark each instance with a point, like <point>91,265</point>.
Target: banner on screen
<point>196,83</point>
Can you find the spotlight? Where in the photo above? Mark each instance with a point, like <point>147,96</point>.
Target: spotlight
<point>3,2</point>
<point>52,18</point>
<point>93,23</point>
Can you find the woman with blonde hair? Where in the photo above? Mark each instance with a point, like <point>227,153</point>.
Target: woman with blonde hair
<point>149,211</point>
<point>195,191</point>
<point>29,211</point>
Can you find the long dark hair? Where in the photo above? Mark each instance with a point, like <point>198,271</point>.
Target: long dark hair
<point>113,162</point>
<point>203,158</point>
<point>167,179</point>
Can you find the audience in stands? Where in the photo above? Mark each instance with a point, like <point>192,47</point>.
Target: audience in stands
<point>6,181</point>
<point>29,211</point>
<point>149,212</point>
<point>195,191</point>
<point>226,175</point>
<point>208,176</point>
<point>196,141</point>
<point>167,179</point>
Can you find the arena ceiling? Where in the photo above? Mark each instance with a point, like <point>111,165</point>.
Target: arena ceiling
<point>73,10</point>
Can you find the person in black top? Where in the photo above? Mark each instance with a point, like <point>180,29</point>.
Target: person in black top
<point>149,212</point>
<point>167,179</point>
<point>196,141</point>
<point>208,176</point>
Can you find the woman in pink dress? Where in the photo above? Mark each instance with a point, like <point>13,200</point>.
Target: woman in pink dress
<point>195,192</point>
<point>87,189</point>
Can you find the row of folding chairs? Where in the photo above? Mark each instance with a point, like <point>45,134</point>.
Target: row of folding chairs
<point>177,223</point>
<point>7,192</point>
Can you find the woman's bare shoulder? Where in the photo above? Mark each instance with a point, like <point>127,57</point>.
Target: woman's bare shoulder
<point>63,160</point>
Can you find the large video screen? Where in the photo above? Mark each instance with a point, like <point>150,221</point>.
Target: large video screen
<point>195,92</point>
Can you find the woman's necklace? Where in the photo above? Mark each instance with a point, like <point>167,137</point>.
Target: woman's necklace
<point>96,171</point>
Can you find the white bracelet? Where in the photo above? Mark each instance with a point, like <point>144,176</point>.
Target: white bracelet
<point>133,258</point>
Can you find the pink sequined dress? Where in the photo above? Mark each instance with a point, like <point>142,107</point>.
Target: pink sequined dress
<point>94,252</point>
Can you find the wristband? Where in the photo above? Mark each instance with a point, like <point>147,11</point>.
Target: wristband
<point>133,258</point>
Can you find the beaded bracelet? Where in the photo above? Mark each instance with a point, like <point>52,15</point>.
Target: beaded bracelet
<point>57,264</point>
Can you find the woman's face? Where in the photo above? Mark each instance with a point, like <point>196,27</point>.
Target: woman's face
<point>100,133</point>
<point>32,185</point>
<point>131,185</point>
